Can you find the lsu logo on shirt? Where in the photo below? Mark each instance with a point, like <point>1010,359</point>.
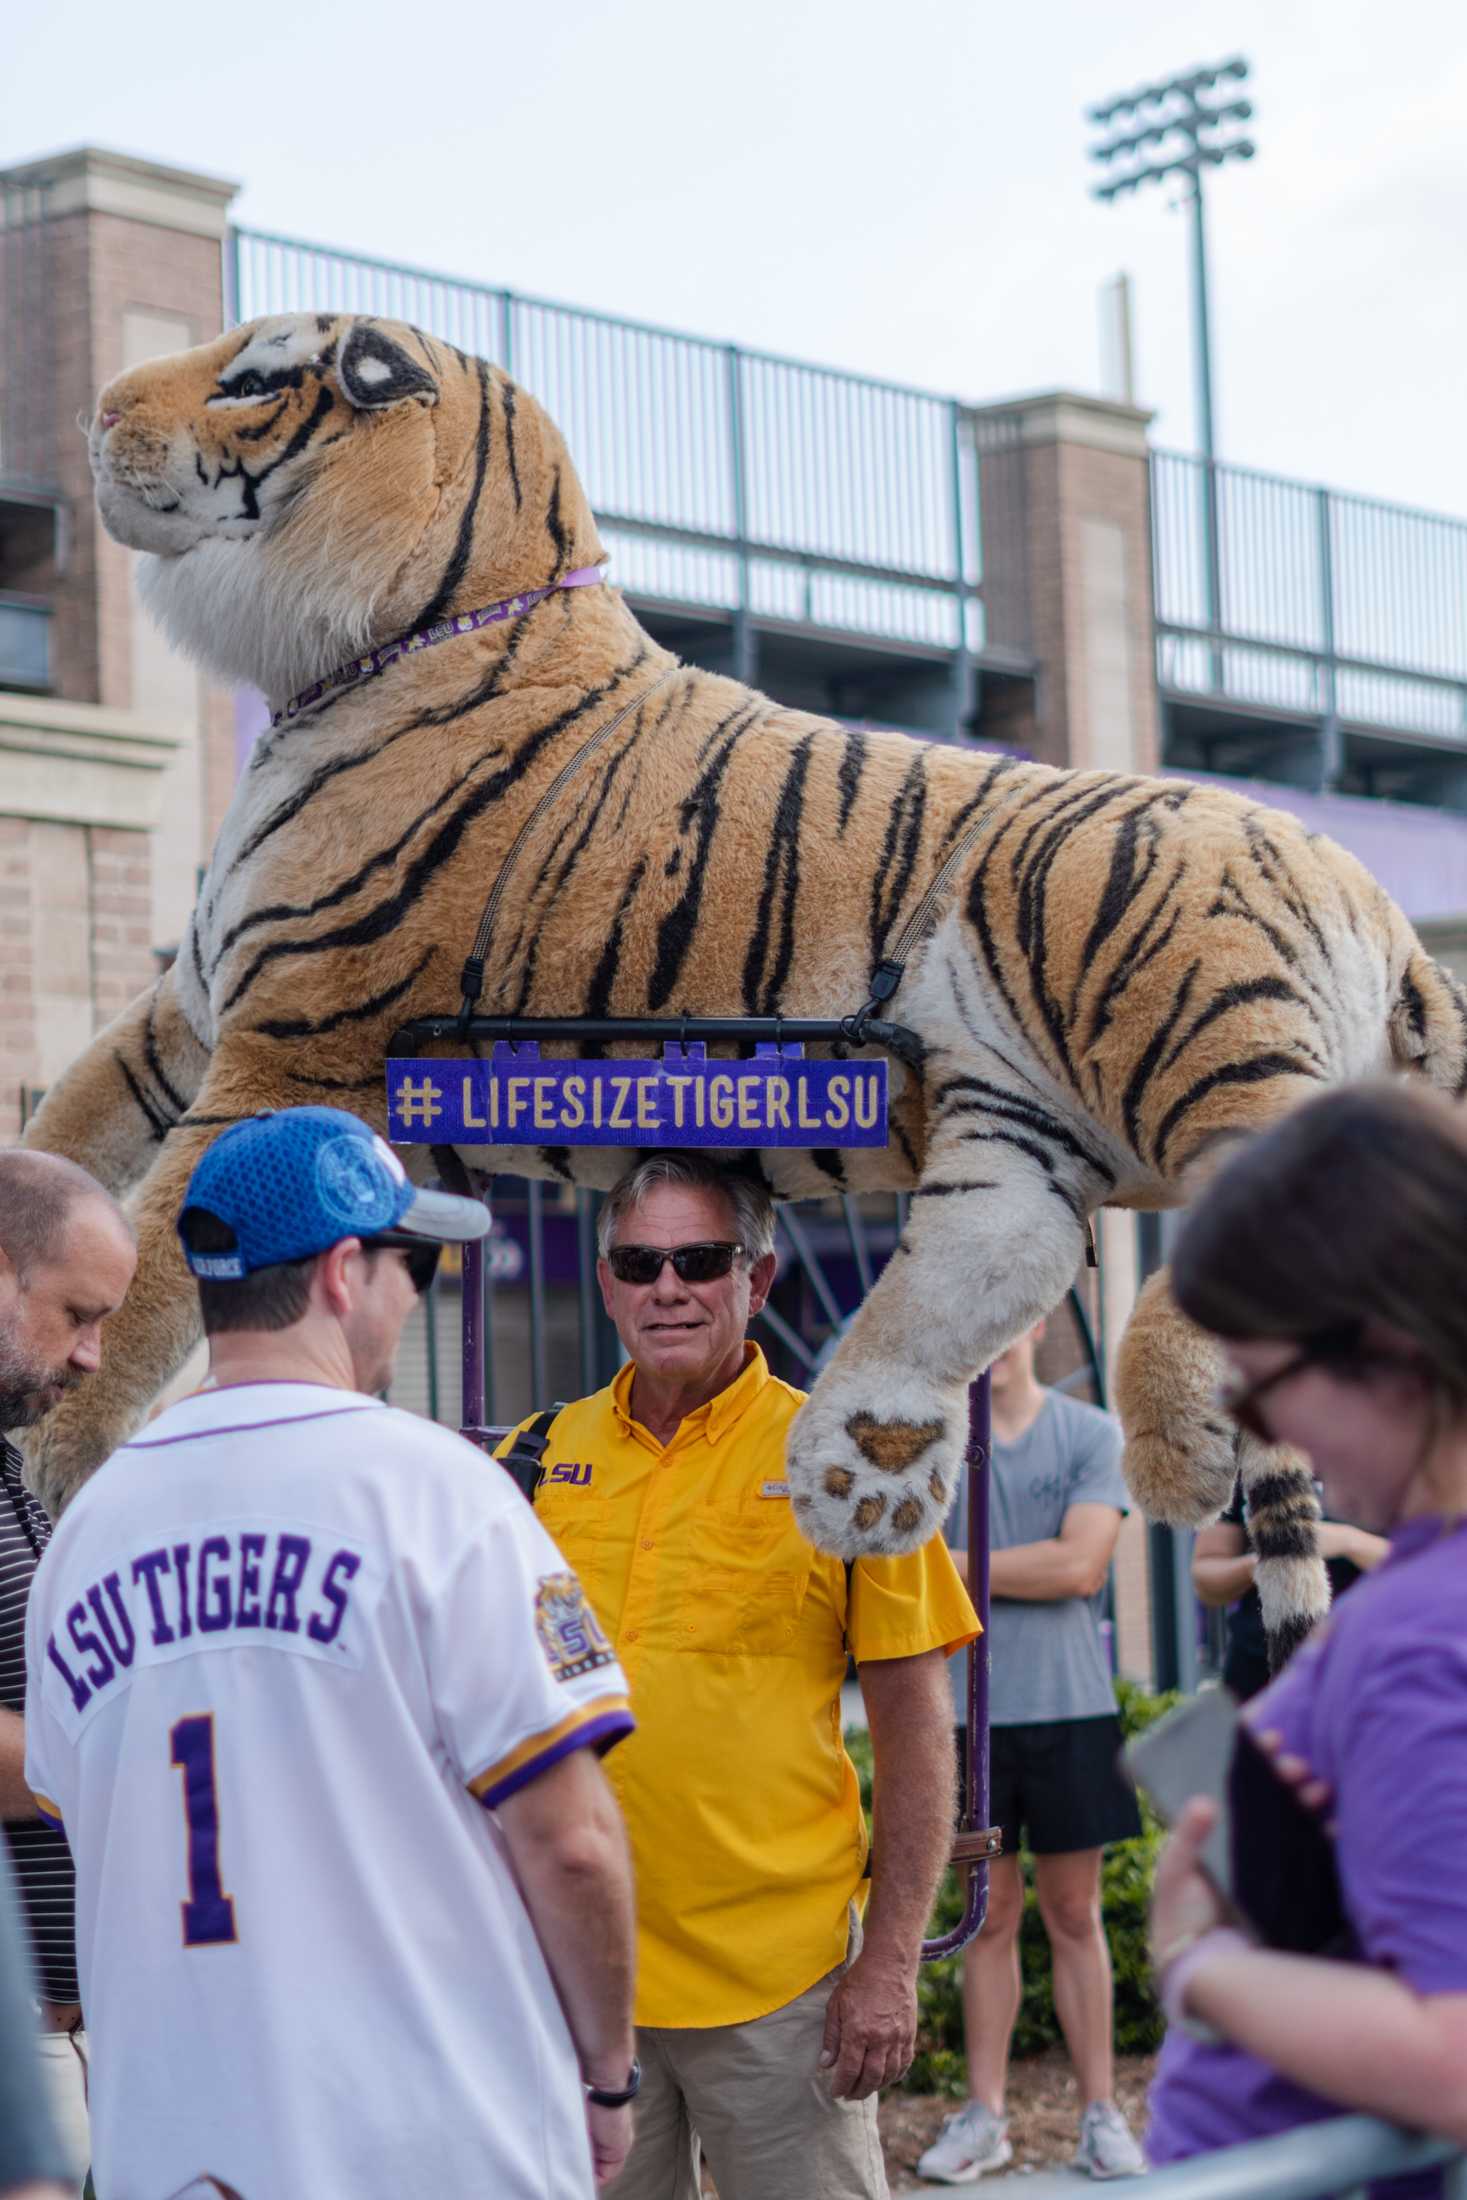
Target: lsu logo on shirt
<point>570,1633</point>
<point>574,1471</point>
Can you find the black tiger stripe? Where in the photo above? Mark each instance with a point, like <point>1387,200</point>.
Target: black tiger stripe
<point>1254,1070</point>
<point>557,1160</point>
<point>262,428</point>
<point>609,774</point>
<point>379,921</point>
<point>1048,837</point>
<point>443,714</point>
<point>442,598</point>
<point>1239,996</point>
<point>1151,938</point>
<point>213,1122</point>
<point>942,1191</point>
<point>828,1161</point>
<point>360,1012</point>
<point>1151,1054</point>
<point>282,912</point>
<point>1066,1197</point>
<point>1029,1146</point>
<point>909,1151</point>
<point>158,1123</point>
<point>578,848</point>
<point>324,404</point>
<point>507,396</point>
<point>154,1061</point>
<point>676,932</point>
<point>848,777</point>
<point>1260,843</point>
<point>781,868</point>
<point>975,802</point>
<point>1123,887</point>
<point>335,1084</point>
<point>898,853</point>
<point>603,977</point>
<point>1414,1005</point>
<point>1027,1114</point>
<point>555,529</point>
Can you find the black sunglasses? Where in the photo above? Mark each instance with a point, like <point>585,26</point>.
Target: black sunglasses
<point>1339,1349</point>
<point>422,1254</point>
<point>690,1263</point>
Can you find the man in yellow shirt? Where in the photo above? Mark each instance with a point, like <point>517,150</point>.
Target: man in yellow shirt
<point>766,2020</point>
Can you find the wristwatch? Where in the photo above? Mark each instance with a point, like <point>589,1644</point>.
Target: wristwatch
<point>601,2096</point>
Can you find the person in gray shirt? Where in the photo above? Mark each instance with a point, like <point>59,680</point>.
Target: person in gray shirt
<point>1056,1502</point>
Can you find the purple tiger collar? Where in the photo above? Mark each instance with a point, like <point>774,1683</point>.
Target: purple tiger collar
<point>358,669</point>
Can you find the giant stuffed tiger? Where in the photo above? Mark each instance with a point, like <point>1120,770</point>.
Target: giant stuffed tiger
<point>1124,973</point>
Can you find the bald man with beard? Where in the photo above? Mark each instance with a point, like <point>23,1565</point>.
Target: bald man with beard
<point>67,1256</point>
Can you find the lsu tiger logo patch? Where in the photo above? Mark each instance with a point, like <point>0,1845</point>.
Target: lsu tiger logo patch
<point>570,1633</point>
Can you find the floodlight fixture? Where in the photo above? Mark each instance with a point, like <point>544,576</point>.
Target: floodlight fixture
<point>1168,128</point>
<point>1181,126</point>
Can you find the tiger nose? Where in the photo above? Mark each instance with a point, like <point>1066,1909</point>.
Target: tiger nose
<point>106,420</point>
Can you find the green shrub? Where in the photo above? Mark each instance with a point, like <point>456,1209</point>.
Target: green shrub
<point>1125,1884</point>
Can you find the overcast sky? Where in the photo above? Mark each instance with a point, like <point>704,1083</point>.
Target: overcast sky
<point>898,188</point>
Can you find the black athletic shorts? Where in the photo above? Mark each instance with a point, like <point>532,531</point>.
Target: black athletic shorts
<point>1058,1783</point>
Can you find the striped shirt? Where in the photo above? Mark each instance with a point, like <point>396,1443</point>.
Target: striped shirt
<point>40,1855</point>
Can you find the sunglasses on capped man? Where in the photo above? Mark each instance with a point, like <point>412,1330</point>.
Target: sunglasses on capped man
<point>422,1254</point>
<point>703,1263</point>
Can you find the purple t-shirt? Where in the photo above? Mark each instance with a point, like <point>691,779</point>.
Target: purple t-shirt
<point>1376,1704</point>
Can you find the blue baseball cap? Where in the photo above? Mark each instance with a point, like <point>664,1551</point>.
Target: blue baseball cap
<point>292,1183</point>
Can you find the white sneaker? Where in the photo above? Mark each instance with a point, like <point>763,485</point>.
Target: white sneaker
<point>1107,2148</point>
<point>969,2145</point>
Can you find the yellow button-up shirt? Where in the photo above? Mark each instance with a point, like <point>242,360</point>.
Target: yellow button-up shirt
<point>740,1801</point>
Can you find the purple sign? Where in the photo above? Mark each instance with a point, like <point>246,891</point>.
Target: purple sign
<point>775,1098</point>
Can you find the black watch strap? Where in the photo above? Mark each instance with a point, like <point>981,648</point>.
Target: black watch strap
<point>602,2096</point>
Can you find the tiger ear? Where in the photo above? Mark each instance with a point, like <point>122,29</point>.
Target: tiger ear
<point>375,372</point>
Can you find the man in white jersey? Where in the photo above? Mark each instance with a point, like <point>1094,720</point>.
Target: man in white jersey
<point>319,1704</point>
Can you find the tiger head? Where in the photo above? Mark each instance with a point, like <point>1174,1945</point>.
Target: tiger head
<point>309,486</point>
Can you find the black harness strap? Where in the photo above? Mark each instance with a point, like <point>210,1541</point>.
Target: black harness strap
<point>524,1460</point>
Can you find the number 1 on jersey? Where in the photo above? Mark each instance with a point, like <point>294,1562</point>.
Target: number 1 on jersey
<point>208,1914</point>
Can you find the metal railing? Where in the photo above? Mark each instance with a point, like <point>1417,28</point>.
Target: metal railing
<point>723,479</point>
<point>27,339</point>
<point>1331,607</point>
<point>1340,2157</point>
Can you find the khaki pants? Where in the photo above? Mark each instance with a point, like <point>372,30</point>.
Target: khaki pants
<point>752,2099</point>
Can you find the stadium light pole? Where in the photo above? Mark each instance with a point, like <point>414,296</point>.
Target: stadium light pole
<point>1169,129</point>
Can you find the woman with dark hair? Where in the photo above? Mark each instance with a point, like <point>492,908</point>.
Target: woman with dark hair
<point>1330,1259</point>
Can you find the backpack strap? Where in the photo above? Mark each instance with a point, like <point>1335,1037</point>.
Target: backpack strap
<point>524,1460</point>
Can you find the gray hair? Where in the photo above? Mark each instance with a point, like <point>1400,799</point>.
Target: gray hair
<point>37,1194</point>
<point>753,1207</point>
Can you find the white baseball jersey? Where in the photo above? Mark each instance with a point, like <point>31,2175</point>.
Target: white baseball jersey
<point>287,1651</point>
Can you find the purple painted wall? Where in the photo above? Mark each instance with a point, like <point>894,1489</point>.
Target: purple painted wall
<point>1419,855</point>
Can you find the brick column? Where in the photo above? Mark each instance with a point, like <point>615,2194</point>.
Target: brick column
<point>1081,566</point>
<point>112,786</point>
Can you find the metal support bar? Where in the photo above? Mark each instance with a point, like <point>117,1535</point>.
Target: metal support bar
<point>963,679</point>
<point>475,1342</point>
<point>974,1845</point>
<point>1331,759</point>
<point>430,1344</point>
<point>815,1275</point>
<point>734,397</point>
<point>745,1030</point>
<point>535,1233</point>
<point>585,1291</point>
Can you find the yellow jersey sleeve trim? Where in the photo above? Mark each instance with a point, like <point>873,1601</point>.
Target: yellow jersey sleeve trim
<point>48,1810</point>
<point>600,1723</point>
